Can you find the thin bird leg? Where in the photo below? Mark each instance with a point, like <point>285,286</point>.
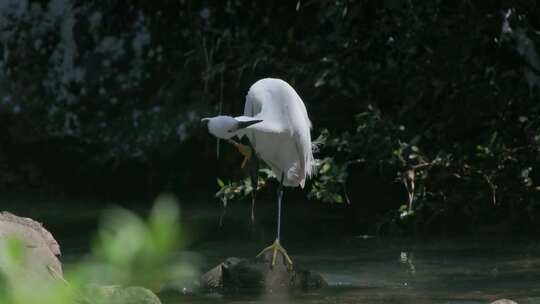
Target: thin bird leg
<point>280,199</point>
<point>246,151</point>
<point>254,175</point>
<point>276,246</point>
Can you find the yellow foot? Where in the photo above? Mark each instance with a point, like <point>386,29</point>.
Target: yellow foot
<point>276,247</point>
<point>244,150</point>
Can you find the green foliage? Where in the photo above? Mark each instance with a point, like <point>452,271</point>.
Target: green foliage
<point>128,251</point>
<point>134,252</point>
<point>19,284</point>
<point>242,189</point>
<point>329,185</point>
<point>442,94</point>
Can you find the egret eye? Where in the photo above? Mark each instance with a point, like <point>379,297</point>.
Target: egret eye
<point>229,131</point>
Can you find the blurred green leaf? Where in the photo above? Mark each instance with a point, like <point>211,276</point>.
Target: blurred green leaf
<point>220,183</point>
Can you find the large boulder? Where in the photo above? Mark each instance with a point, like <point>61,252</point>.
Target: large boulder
<point>41,262</point>
<point>41,249</point>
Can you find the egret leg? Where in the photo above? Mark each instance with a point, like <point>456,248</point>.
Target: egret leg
<point>280,199</point>
<point>245,150</point>
<point>254,176</point>
<point>276,246</point>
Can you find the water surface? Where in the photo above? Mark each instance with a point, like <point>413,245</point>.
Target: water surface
<point>381,270</point>
<point>358,269</point>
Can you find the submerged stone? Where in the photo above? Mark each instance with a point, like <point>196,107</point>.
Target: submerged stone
<point>504,301</point>
<point>119,295</point>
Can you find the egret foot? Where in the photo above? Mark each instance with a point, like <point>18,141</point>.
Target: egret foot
<point>276,247</point>
<point>246,151</point>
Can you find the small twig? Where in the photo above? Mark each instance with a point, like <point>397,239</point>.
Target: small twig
<point>220,111</point>
<point>355,161</point>
<point>346,194</point>
<point>56,275</point>
<point>253,207</point>
<point>493,188</point>
<point>411,10</point>
<point>421,166</point>
<point>408,181</point>
<point>223,213</point>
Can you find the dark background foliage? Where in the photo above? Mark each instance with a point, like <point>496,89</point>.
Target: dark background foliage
<point>103,100</point>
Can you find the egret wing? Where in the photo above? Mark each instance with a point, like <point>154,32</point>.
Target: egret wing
<point>282,111</point>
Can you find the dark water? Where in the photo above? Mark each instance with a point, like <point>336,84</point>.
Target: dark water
<point>402,271</point>
<point>364,269</point>
<point>358,269</point>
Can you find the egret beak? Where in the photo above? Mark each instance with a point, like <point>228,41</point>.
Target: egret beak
<point>245,124</point>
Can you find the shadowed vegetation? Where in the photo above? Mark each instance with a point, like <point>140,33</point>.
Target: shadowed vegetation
<point>427,111</point>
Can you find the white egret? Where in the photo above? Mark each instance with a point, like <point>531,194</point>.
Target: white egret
<point>278,128</point>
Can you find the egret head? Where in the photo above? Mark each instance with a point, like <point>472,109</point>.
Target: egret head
<point>226,126</point>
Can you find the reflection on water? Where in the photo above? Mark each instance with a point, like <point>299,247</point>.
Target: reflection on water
<point>402,271</point>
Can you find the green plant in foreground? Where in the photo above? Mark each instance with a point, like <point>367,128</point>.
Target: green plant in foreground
<point>135,252</point>
<point>127,251</point>
<point>21,285</point>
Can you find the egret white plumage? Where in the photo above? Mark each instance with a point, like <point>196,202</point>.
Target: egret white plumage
<point>276,123</point>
